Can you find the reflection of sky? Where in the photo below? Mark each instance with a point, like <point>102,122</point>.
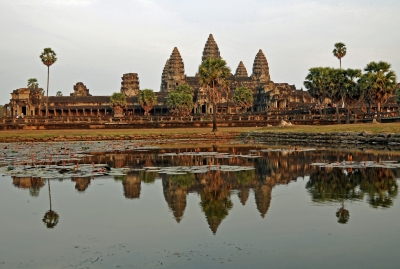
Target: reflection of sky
<point>101,223</point>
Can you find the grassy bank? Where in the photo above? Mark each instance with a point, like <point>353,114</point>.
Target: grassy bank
<point>372,128</point>
<point>115,132</point>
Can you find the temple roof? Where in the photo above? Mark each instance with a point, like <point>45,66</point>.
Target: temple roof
<point>260,68</point>
<point>211,49</point>
<point>241,70</point>
<point>175,63</point>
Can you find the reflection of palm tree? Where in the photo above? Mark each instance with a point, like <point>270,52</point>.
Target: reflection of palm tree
<point>381,187</point>
<point>343,215</point>
<point>215,201</point>
<point>51,218</point>
<point>378,184</point>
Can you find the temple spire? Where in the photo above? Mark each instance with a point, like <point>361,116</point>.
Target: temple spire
<point>260,68</point>
<point>174,72</point>
<point>164,77</point>
<point>241,70</point>
<point>211,49</point>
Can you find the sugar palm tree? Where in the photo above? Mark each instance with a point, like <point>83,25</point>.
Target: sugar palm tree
<point>380,82</point>
<point>339,52</point>
<point>32,83</point>
<point>48,58</point>
<point>147,99</point>
<point>213,75</point>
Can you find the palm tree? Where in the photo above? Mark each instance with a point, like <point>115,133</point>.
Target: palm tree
<point>48,58</point>
<point>213,75</point>
<point>147,99</point>
<point>339,52</point>
<point>353,91</point>
<point>32,83</point>
<point>317,84</point>
<point>379,81</point>
<point>51,218</point>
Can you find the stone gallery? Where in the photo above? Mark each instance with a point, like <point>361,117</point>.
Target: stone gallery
<point>267,94</point>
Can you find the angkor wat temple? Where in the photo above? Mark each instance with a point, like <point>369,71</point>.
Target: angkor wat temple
<point>267,94</point>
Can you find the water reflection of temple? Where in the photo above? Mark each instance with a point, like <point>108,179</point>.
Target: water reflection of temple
<point>81,183</point>
<point>34,184</point>
<point>216,189</point>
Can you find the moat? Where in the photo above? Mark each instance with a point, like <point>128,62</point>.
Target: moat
<point>211,207</point>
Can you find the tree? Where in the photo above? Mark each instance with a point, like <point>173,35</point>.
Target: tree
<point>118,102</point>
<point>59,93</point>
<point>379,82</point>
<point>32,83</point>
<point>339,52</point>
<point>48,58</point>
<point>243,97</point>
<point>147,99</point>
<point>352,90</point>
<point>213,75</point>
<point>398,94</point>
<point>344,88</point>
<point>180,100</point>
<point>317,84</point>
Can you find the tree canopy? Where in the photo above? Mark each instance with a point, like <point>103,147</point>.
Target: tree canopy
<point>118,99</point>
<point>147,99</point>
<point>180,100</point>
<point>59,93</point>
<point>33,83</point>
<point>379,82</point>
<point>339,52</point>
<point>243,97</point>
<point>213,74</point>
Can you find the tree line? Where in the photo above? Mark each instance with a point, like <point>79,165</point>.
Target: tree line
<point>346,87</point>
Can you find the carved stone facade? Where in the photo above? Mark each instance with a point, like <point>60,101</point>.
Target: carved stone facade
<point>241,71</point>
<point>80,90</point>
<point>173,73</point>
<point>268,95</point>
<point>130,84</point>
<point>211,49</point>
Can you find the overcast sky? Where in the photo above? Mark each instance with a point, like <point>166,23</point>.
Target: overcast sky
<point>97,41</point>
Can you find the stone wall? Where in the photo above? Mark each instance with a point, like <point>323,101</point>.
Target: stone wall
<point>325,139</point>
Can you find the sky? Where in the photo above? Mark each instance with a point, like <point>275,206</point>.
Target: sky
<point>97,41</point>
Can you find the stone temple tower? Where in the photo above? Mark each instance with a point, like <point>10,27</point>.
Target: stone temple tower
<point>260,68</point>
<point>211,49</point>
<point>173,73</point>
<point>241,71</point>
<point>130,84</point>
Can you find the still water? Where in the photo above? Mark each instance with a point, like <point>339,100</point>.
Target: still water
<point>285,213</point>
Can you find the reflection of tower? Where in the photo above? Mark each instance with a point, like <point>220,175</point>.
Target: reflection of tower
<point>244,195</point>
<point>81,183</point>
<point>262,195</point>
<point>32,183</point>
<point>175,196</point>
<point>132,186</point>
<point>119,160</point>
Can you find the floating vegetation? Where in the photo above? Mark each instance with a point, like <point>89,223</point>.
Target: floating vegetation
<point>61,172</point>
<point>360,165</point>
<point>182,170</point>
